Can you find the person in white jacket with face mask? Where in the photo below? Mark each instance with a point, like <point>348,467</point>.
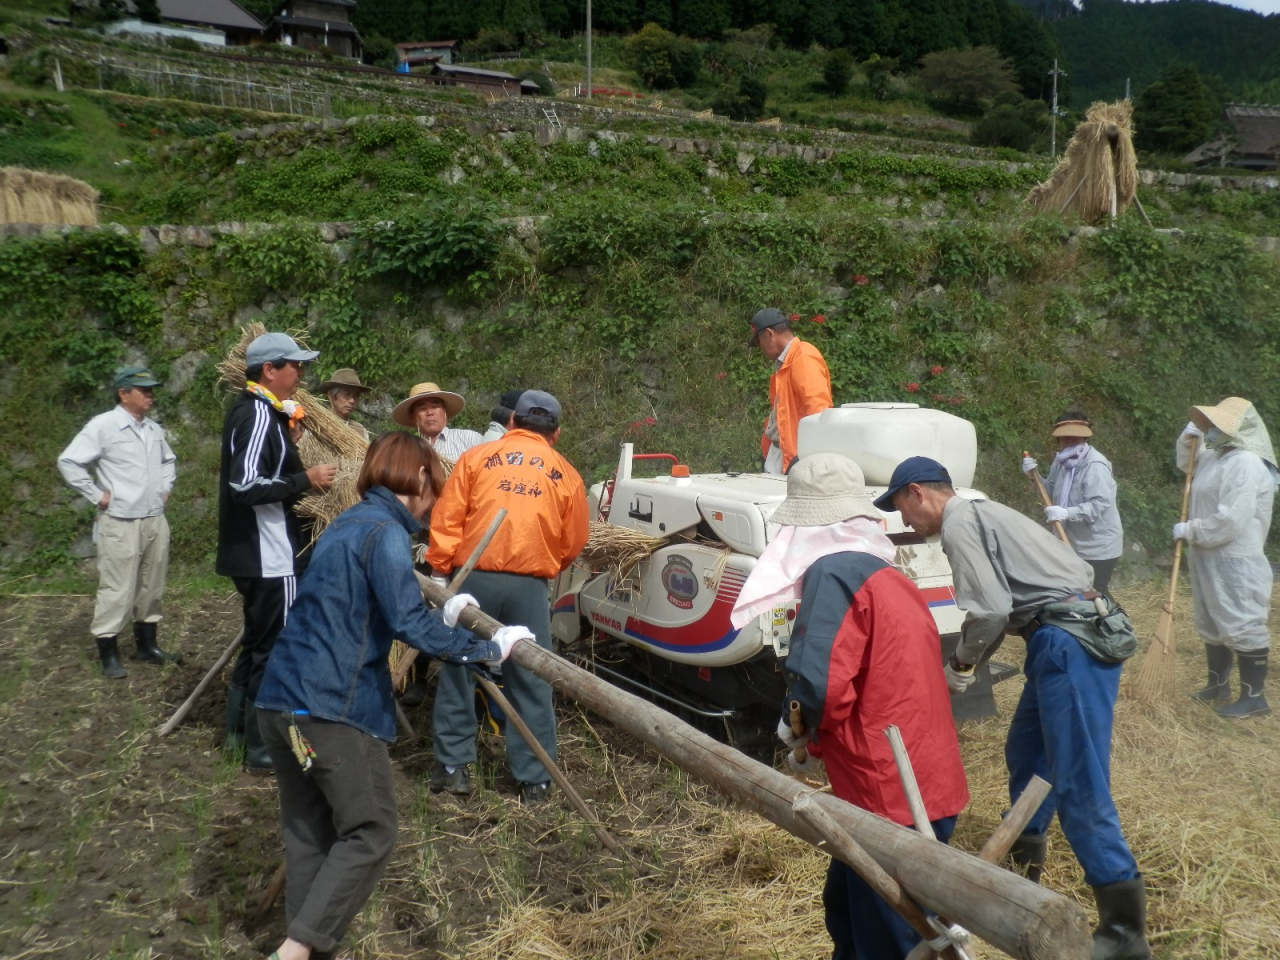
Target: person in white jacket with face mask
<point>1082,486</point>
<point>1232,490</point>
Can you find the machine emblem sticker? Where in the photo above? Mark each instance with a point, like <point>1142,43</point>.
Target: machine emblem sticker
<point>680,582</point>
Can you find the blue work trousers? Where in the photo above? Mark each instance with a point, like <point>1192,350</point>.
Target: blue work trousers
<point>1061,731</point>
<point>861,923</point>
<point>514,600</point>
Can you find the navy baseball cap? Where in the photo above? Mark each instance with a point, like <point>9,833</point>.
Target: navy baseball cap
<point>764,319</point>
<point>539,403</point>
<point>131,377</point>
<point>909,471</point>
<point>509,399</point>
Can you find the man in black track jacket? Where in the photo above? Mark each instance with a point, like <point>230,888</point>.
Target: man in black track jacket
<point>261,480</point>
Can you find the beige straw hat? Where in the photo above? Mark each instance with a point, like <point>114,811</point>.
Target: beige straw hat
<point>345,378</point>
<point>822,489</point>
<point>1228,416</point>
<point>403,413</point>
<point>1072,428</point>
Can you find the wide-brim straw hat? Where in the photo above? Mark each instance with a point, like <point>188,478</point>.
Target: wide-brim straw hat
<point>403,413</point>
<point>822,489</point>
<point>1072,428</point>
<point>1228,416</point>
<point>346,379</point>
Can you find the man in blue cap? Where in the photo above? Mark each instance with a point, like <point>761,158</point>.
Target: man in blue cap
<point>1013,576</point>
<point>260,481</point>
<point>135,470</point>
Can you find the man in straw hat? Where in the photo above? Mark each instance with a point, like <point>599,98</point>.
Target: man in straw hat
<point>260,481</point>
<point>1013,576</point>
<point>799,386</point>
<point>545,529</point>
<point>344,389</point>
<point>1229,513</point>
<point>428,409</point>
<point>864,654</point>
<point>135,473</point>
<point>1082,487</point>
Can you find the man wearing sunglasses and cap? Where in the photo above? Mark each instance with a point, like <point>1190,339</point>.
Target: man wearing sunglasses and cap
<point>800,386</point>
<point>1233,487</point>
<point>1012,576</point>
<point>261,480</point>
<point>135,472</point>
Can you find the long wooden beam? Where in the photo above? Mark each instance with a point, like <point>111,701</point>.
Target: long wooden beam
<point>1021,918</point>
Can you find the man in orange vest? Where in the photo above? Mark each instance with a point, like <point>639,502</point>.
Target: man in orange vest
<point>545,529</point>
<point>800,385</point>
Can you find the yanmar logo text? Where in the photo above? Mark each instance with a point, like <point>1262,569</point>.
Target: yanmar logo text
<point>604,621</point>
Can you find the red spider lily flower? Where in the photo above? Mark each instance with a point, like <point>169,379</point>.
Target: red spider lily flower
<point>793,317</point>
<point>936,397</point>
<point>650,421</point>
<point>122,126</point>
<point>935,370</point>
<point>957,400</point>
<point>154,131</point>
<point>722,375</point>
<point>819,319</point>
<point>913,388</point>
<point>860,280</point>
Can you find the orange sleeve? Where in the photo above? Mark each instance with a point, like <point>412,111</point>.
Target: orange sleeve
<point>573,527</point>
<point>807,391</point>
<point>448,517</point>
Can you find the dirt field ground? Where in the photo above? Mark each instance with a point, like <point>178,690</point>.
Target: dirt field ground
<point>115,843</point>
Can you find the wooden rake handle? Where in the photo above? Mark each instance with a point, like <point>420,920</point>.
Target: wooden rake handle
<point>1044,496</point>
<point>801,753</point>
<point>1182,518</point>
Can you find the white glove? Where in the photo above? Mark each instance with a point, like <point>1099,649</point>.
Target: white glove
<point>440,580</point>
<point>811,766</point>
<point>1055,513</point>
<point>1029,465</point>
<point>958,682</point>
<point>419,553</point>
<point>454,606</point>
<point>508,637</point>
<point>1191,430</point>
<point>1180,531</point>
<point>788,737</point>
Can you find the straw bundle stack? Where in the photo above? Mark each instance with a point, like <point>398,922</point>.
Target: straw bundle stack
<point>617,550</point>
<point>1099,168</point>
<point>29,196</point>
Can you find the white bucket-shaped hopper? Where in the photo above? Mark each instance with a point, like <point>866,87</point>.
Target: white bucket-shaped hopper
<point>879,436</point>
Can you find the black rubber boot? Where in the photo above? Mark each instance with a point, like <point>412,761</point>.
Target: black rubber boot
<point>144,635</point>
<point>1027,854</point>
<point>1122,921</point>
<point>233,727</point>
<point>1219,658</point>
<point>1253,677</point>
<point>256,758</point>
<point>109,653</point>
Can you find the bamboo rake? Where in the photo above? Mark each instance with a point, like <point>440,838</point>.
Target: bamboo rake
<point>1044,495</point>
<point>1156,680</point>
<point>801,753</point>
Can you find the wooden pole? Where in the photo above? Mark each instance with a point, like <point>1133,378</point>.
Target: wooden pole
<point>271,893</point>
<point>1021,918</point>
<point>801,753</point>
<point>1044,495</point>
<point>180,714</point>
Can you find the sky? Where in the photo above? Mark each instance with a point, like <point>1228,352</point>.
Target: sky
<point>1262,6</point>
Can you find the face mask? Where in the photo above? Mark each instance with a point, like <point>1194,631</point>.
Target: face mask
<point>1214,439</point>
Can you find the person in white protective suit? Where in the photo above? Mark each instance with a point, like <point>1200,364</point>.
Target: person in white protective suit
<point>1232,489</point>
<point>1083,490</point>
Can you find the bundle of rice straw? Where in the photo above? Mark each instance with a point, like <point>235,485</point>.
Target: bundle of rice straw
<point>30,196</point>
<point>617,550</point>
<point>1098,160</point>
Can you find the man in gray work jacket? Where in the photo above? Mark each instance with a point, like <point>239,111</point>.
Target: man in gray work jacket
<point>135,472</point>
<point>1013,576</point>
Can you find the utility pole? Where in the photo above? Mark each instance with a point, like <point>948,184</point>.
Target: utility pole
<point>1053,110</point>
<point>589,49</point>
<point>1126,88</point>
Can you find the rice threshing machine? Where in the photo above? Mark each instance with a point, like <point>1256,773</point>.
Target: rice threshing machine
<point>664,626</point>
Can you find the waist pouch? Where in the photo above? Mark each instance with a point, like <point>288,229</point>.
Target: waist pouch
<point>1101,626</point>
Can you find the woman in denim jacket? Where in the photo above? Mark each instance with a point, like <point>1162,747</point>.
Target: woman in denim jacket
<point>326,702</point>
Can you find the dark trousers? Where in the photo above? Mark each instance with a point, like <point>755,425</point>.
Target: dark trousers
<point>861,923</point>
<point>514,600</point>
<point>1102,570</point>
<point>1061,731</point>
<point>338,821</point>
<point>266,602</point>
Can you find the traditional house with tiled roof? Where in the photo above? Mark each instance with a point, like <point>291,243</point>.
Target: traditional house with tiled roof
<point>316,25</point>
<point>1253,141</point>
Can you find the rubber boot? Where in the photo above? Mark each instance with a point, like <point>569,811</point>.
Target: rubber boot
<point>1027,854</point>
<point>233,728</point>
<point>1121,933</point>
<point>1253,677</point>
<point>148,651</point>
<point>109,653</point>
<point>256,758</point>
<point>1219,658</point>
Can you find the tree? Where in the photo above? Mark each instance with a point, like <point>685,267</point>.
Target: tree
<point>490,41</point>
<point>704,18</point>
<point>1012,122</point>
<point>379,52</point>
<point>746,102</point>
<point>662,59</point>
<point>878,71</point>
<point>837,70</point>
<point>1175,114</point>
<point>966,77</point>
<point>148,10</point>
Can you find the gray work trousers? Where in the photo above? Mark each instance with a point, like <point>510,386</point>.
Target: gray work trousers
<point>514,600</point>
<point>338,821</point>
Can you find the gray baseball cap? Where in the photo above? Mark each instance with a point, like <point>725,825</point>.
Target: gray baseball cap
<point>272,347</point>
<point>764,319</point>
<point>539,403</point>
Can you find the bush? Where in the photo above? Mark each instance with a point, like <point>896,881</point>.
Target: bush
<point>879,70</point>
<point>380,52</point>
<point>662,59</point>
<point>1013,122</point>
<point>490,41</point>
<point>546,86</point>
<point>837,70</point>
<point>746,103</point>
